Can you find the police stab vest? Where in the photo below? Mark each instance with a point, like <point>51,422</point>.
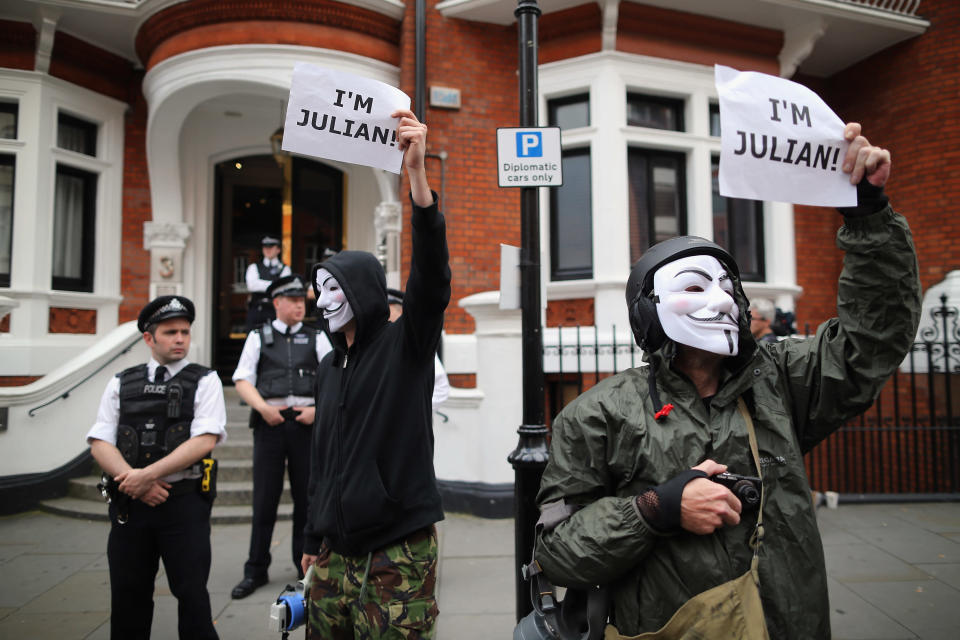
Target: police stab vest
<point>155,418</point>
<point>269,274</point>
<point>288,363</point>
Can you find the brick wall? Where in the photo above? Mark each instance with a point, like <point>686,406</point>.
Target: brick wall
<point>17,381</point>
<point>18,42</point>
<point>675,35</point>
<point>317,23</point>
<point>570,33</point>
<point>88,66</point>
<point>66,320</point>
<point>135,260</point>
<point>906,99</point>
<point>570,313</point>
<point>480,60</point>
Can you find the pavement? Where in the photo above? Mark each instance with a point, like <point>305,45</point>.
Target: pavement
<point>894,574</point>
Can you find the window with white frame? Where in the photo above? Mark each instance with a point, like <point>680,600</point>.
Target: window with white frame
<point>74,208</point>
<point>656,177</point>
<point>657,197</point>
<point>737,223</point>
<point>571,220</point>
<point>8,167</point>
<point>651,127</point>
<point>61,181</point>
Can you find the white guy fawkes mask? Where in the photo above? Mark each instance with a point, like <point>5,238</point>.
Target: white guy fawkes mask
<point>333,301</point>
<point>696,306</point>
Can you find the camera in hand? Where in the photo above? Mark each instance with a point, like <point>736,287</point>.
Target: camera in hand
<point>746,488</point>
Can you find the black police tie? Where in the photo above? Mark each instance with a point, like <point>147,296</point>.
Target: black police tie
<point>160,375</point>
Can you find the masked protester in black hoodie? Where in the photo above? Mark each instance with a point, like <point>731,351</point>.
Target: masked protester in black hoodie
<point>373,495</point>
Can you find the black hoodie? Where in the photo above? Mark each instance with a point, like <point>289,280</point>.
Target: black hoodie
<point>371,467</point>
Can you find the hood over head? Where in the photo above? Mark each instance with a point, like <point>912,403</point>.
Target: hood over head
<point>364,283</point>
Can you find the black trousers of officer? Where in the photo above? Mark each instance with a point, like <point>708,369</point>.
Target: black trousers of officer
<point>288,441</point>
<point>178,531</point>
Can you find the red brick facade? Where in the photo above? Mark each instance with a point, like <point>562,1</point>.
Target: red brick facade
<point>576,312</point>
<point>479,215</point>
<point>18,40</point>
<point>906,99</point>
<point>135,260</point>
<point>663,33</point>
<point>17,381</point>
<point>63,320</point>
<point>319,23</point>
<point>89,66</point>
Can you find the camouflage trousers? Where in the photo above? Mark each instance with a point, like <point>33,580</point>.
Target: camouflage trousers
<point>398,595</point>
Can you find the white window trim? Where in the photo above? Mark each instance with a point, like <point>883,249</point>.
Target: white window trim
<point>607,77</point>
<point>29,348</point>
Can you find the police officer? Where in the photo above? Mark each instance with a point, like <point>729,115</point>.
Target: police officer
<point>275,377</point>
<point>156,424</point>
<point>258,277</point>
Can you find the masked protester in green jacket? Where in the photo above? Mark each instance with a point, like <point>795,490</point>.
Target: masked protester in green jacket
<point>633,470</point>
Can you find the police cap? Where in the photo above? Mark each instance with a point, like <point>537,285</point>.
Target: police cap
<point>269,241</point>
<point>165,308</point>
<point>290,286</point>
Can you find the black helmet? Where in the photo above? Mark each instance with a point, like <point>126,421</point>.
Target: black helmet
<point>644,321</point>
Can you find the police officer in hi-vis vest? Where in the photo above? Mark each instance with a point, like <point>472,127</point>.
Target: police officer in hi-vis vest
<point>275,377</point>
<point>258,277</point>
<point>156,426</point>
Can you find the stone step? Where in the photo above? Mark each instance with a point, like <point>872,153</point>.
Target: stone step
<point>235,470</point>
<point>228,493</point>
<point>237,414</point>
<point>90,510</point>
<point>237,447</point>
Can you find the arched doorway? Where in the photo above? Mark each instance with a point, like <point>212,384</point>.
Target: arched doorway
<point>248,204</point>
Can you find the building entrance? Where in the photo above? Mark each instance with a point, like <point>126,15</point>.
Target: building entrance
<point>249,204</point>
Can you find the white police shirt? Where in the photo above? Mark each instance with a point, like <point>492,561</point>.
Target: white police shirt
<point>209,411</point>
<point>257,285</point>
<point>250,358</point>
<point>441,385</point>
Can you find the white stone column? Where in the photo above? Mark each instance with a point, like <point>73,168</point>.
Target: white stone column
<point>7,305</point>
<point>166,242</point>
<point>472,446</point>
<point>387,224</point>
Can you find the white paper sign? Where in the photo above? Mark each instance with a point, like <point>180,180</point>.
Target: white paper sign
<point>342,116</point>
<point>780,141</point>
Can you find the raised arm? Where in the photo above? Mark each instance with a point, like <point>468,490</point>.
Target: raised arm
<point>428,285</point>
<point>839,373</point>
<point>412,140</point>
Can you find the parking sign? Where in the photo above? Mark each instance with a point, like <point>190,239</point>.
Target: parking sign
<point>529,157</point>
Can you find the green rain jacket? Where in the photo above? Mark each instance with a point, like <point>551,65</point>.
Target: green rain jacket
<point>607,449</point>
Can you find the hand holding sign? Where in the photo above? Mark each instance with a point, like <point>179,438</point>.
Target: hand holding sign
<point>864,159</point>
<point>780,141</point>
<point>412,140</point>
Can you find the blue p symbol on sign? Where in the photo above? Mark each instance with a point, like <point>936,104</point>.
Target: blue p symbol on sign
<point>529,144</point>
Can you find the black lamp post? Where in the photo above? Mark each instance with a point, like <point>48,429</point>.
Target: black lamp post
<point>530,457</point>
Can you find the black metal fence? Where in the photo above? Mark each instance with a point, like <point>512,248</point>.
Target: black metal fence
<point>906,445</point>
